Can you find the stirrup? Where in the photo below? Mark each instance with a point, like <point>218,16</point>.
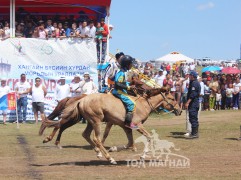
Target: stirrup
<point>132,126</point>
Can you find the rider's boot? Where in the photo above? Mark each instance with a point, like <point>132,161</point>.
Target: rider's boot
<point>128,121</point>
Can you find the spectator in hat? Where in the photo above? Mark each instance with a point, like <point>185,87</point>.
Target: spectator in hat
<point>111,27</point>
<point>87,85</point>
<point>159,78</point>
<point>75,89</point>
<point>4,89</point>
<point>62,89</point>
<point>192,105</point>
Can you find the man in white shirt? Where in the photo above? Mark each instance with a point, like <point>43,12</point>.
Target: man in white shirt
<point>62,90</point>
<point>22,90</point>
<point>75,86</point>
<point>87,85</point>
<point>92,30</point>
<point>159,78</point>
<point>83,31</point>
<point>192,67</point>
<point>38,92</point>
<point>4,89</point>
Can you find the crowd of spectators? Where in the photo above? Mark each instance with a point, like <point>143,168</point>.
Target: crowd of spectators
<point>218,91</point>
<point>42,28</point>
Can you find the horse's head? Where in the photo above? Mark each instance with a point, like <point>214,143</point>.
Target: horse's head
<point>171,104</point>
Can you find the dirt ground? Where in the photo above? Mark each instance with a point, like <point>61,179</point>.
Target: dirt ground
<point>215,155</point>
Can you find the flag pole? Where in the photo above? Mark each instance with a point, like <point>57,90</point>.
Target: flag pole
<point>17,110</point>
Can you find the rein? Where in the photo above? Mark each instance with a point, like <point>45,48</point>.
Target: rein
<point>152,107</point>
<point>168,103</point>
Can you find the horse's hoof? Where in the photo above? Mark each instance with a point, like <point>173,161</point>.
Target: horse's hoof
<point>112,161</point>
<point>45,140</point>
<point>59,146</point>
<point>113,149</point>
<point>142,158</point>
<point>99,155</point>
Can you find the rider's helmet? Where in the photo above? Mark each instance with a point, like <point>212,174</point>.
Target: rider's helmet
<point>118,55</point>
<point>126,61</point>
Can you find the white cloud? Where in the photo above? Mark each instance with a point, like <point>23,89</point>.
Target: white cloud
<point>205,6</point>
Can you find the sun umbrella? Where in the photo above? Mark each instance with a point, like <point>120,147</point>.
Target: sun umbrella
<point>230,70</point>
<point>211,68</point>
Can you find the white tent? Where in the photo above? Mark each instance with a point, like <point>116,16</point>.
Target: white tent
<point>174,57</point>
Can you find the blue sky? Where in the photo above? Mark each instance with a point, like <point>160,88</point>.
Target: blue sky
<point>197,28</point>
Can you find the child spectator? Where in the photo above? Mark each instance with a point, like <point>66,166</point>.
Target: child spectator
<point>229,96</point>
<point>207,93</point>
<point>99,30</point>
<point>218,100</point>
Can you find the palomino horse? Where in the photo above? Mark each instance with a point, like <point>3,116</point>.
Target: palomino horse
<point>96,108</point>
<point>140,89</point>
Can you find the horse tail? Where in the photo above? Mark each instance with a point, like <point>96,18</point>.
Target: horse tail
<point>47,123</point>
<point>58,109</point>
<point>72,112</point>
<point>57,112</point>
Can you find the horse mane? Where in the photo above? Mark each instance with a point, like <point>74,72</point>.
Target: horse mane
<point>143,89</point>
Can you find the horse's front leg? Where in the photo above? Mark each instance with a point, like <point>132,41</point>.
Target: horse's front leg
<point>97,140</point>
<point>130,144</point>
<point>86,135</point>
<point>149,145</point>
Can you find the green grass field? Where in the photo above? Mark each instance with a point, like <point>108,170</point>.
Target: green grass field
<point>215,155</point>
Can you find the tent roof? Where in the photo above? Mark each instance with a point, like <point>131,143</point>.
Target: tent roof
<point>67,7</point>
<point>105,3</point>
<point>174,57</point>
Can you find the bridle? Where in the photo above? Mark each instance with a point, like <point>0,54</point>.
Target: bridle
<point>166,100</point>
<point>149,103</point>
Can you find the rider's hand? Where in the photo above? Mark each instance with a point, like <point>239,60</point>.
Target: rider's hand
<point>132,87</point>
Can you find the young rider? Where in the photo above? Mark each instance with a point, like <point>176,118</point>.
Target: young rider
<point>120,90</point>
